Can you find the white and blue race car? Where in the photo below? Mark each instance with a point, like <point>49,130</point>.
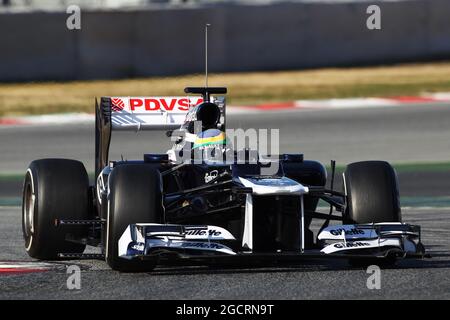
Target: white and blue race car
<point>160,210</point>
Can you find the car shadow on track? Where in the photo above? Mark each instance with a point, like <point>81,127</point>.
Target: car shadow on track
<point>335,266</point>
<point>249,268</point>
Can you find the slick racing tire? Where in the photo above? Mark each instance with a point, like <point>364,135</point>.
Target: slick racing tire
<point>53,189</point>
<point>135,197</point>
<point>372,193</point>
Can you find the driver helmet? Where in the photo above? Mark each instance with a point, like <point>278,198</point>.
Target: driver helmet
<point>212,144</point>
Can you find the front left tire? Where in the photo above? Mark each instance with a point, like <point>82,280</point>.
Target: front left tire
<point>135,196</point>
<point>372,193</point>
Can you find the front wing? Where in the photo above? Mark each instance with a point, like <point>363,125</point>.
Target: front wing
<point>204,245</point>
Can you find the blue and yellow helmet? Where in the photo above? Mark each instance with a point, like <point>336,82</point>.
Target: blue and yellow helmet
<point>210,137</point>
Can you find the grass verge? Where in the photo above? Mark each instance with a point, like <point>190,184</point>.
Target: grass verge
<point>244,88</point>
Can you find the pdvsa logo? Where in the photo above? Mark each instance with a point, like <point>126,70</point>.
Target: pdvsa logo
<point>117,104</point>
<point>152,104</point>
<point>163,104</point>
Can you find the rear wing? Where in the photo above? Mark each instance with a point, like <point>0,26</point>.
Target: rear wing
<point>148,113</point>
<point>142,113</point>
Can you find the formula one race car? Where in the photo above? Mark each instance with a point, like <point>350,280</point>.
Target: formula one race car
<point>220,208</point>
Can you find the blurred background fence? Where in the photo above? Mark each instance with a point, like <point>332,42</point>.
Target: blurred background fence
<point>137,38</point>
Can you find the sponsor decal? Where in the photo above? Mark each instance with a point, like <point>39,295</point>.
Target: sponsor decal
<point>138,246</point>
<point>203,232</point>
<point>183,244</point>
<point>353,231</point>
<point>151,104</point>
<point>134,248</point>
<point>189,232</point>
<point>356,245</point>
<point>202,245</point>
<point>207,232</point>
<point>211,175</point>
<point>143,113</point>
<point>342,245</point>
<point>274,182</point>
<point>117,104</point>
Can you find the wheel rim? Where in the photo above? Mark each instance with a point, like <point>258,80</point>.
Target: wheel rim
<point>28,215</point>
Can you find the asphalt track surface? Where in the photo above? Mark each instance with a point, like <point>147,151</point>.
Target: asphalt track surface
<point>411,279</point>
<point>400,134</point>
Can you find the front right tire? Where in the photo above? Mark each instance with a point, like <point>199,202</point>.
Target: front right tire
<point>53,189</point>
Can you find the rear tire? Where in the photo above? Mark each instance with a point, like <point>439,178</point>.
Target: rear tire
<point>135,197</point>
<point>372,193</point>
<point>53,189</point>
